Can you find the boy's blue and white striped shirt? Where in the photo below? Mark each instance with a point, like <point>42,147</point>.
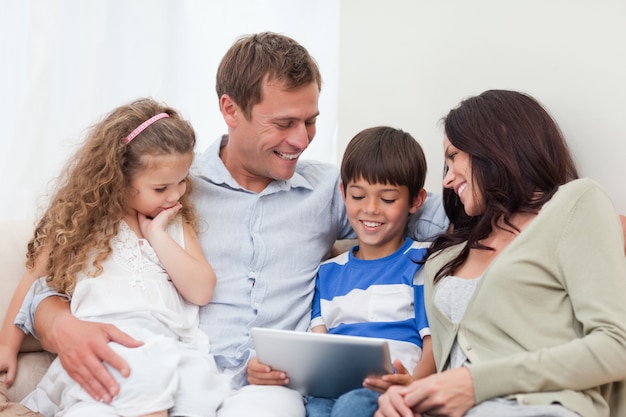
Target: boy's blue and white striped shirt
<point>381,298</point>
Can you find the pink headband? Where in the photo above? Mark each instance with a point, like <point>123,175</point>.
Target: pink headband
<point>142,126</point>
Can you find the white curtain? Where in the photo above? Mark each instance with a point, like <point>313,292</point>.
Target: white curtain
<point>65,63</point>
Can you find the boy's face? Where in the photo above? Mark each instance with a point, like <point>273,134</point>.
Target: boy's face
<point>378,214</point>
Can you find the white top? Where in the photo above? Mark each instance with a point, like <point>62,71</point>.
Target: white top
<point>452,297</point>
<point>134,285</point>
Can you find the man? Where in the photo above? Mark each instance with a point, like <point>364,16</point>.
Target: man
<point>282,215</point>
<point>267,221</point>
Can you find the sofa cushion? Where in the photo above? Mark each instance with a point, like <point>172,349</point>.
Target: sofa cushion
<point>14,236</point>
<point>30,369</point>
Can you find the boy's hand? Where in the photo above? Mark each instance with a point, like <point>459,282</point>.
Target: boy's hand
<point>8,364</point>
<point>261,374</point>
<point>401,377</point>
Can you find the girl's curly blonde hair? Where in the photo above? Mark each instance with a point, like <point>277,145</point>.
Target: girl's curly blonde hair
<point>89,201</point>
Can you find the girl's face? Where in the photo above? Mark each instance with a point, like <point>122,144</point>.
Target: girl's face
<point>160,185</point>
<point>378,214</point>
<point>459,178</point>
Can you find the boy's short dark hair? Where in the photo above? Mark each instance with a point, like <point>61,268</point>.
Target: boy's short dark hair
<point>385,155</point>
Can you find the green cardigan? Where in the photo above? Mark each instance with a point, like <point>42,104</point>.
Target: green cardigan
<point>547,323</point>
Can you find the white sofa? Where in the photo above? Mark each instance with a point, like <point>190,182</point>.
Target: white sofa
<point>33,360</point>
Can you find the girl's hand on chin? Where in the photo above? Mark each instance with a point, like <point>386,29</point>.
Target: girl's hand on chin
<point>159,223</point>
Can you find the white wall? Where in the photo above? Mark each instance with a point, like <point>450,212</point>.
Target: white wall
<point>402,62</point>
<point>65,63</point>
<point>405,63</point>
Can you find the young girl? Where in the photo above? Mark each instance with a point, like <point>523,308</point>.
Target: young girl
<point>118,239</point>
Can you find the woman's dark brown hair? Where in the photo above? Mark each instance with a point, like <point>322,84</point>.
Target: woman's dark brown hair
<point>519,159</point>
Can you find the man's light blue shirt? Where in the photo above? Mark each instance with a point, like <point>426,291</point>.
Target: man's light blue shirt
<point>265,249</point>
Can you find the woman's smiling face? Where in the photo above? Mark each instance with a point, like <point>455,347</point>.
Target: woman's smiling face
<point>459,178</point>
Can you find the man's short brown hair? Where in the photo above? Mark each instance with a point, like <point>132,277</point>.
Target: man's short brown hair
<point>255,58</point>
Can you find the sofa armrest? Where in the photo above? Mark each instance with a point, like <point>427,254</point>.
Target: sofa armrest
<point>30,369</point>
<point>14,236</point>
<point>33,361</point>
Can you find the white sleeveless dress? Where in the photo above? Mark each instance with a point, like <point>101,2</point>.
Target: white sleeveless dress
<point>172,370</point>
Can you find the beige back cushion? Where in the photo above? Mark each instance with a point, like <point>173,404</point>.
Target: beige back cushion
<point>14,236</point>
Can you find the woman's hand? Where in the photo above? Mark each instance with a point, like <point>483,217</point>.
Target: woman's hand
<point>261,374</point>
<point>450,394</point>
<point>391,403</point>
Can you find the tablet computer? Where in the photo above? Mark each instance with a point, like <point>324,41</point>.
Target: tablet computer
<point>322,365</point>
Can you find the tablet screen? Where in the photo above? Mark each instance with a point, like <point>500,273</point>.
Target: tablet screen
<point>322,365</point>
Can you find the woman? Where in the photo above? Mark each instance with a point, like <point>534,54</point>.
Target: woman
<point>526,297</point>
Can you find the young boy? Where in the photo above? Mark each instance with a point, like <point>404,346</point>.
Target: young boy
<point>376,288</point>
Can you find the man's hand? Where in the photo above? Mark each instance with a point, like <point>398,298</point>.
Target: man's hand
<point>83,348</point>
<point>261,374</point>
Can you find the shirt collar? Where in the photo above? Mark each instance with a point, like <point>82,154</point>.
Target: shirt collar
<point>210,166</point>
